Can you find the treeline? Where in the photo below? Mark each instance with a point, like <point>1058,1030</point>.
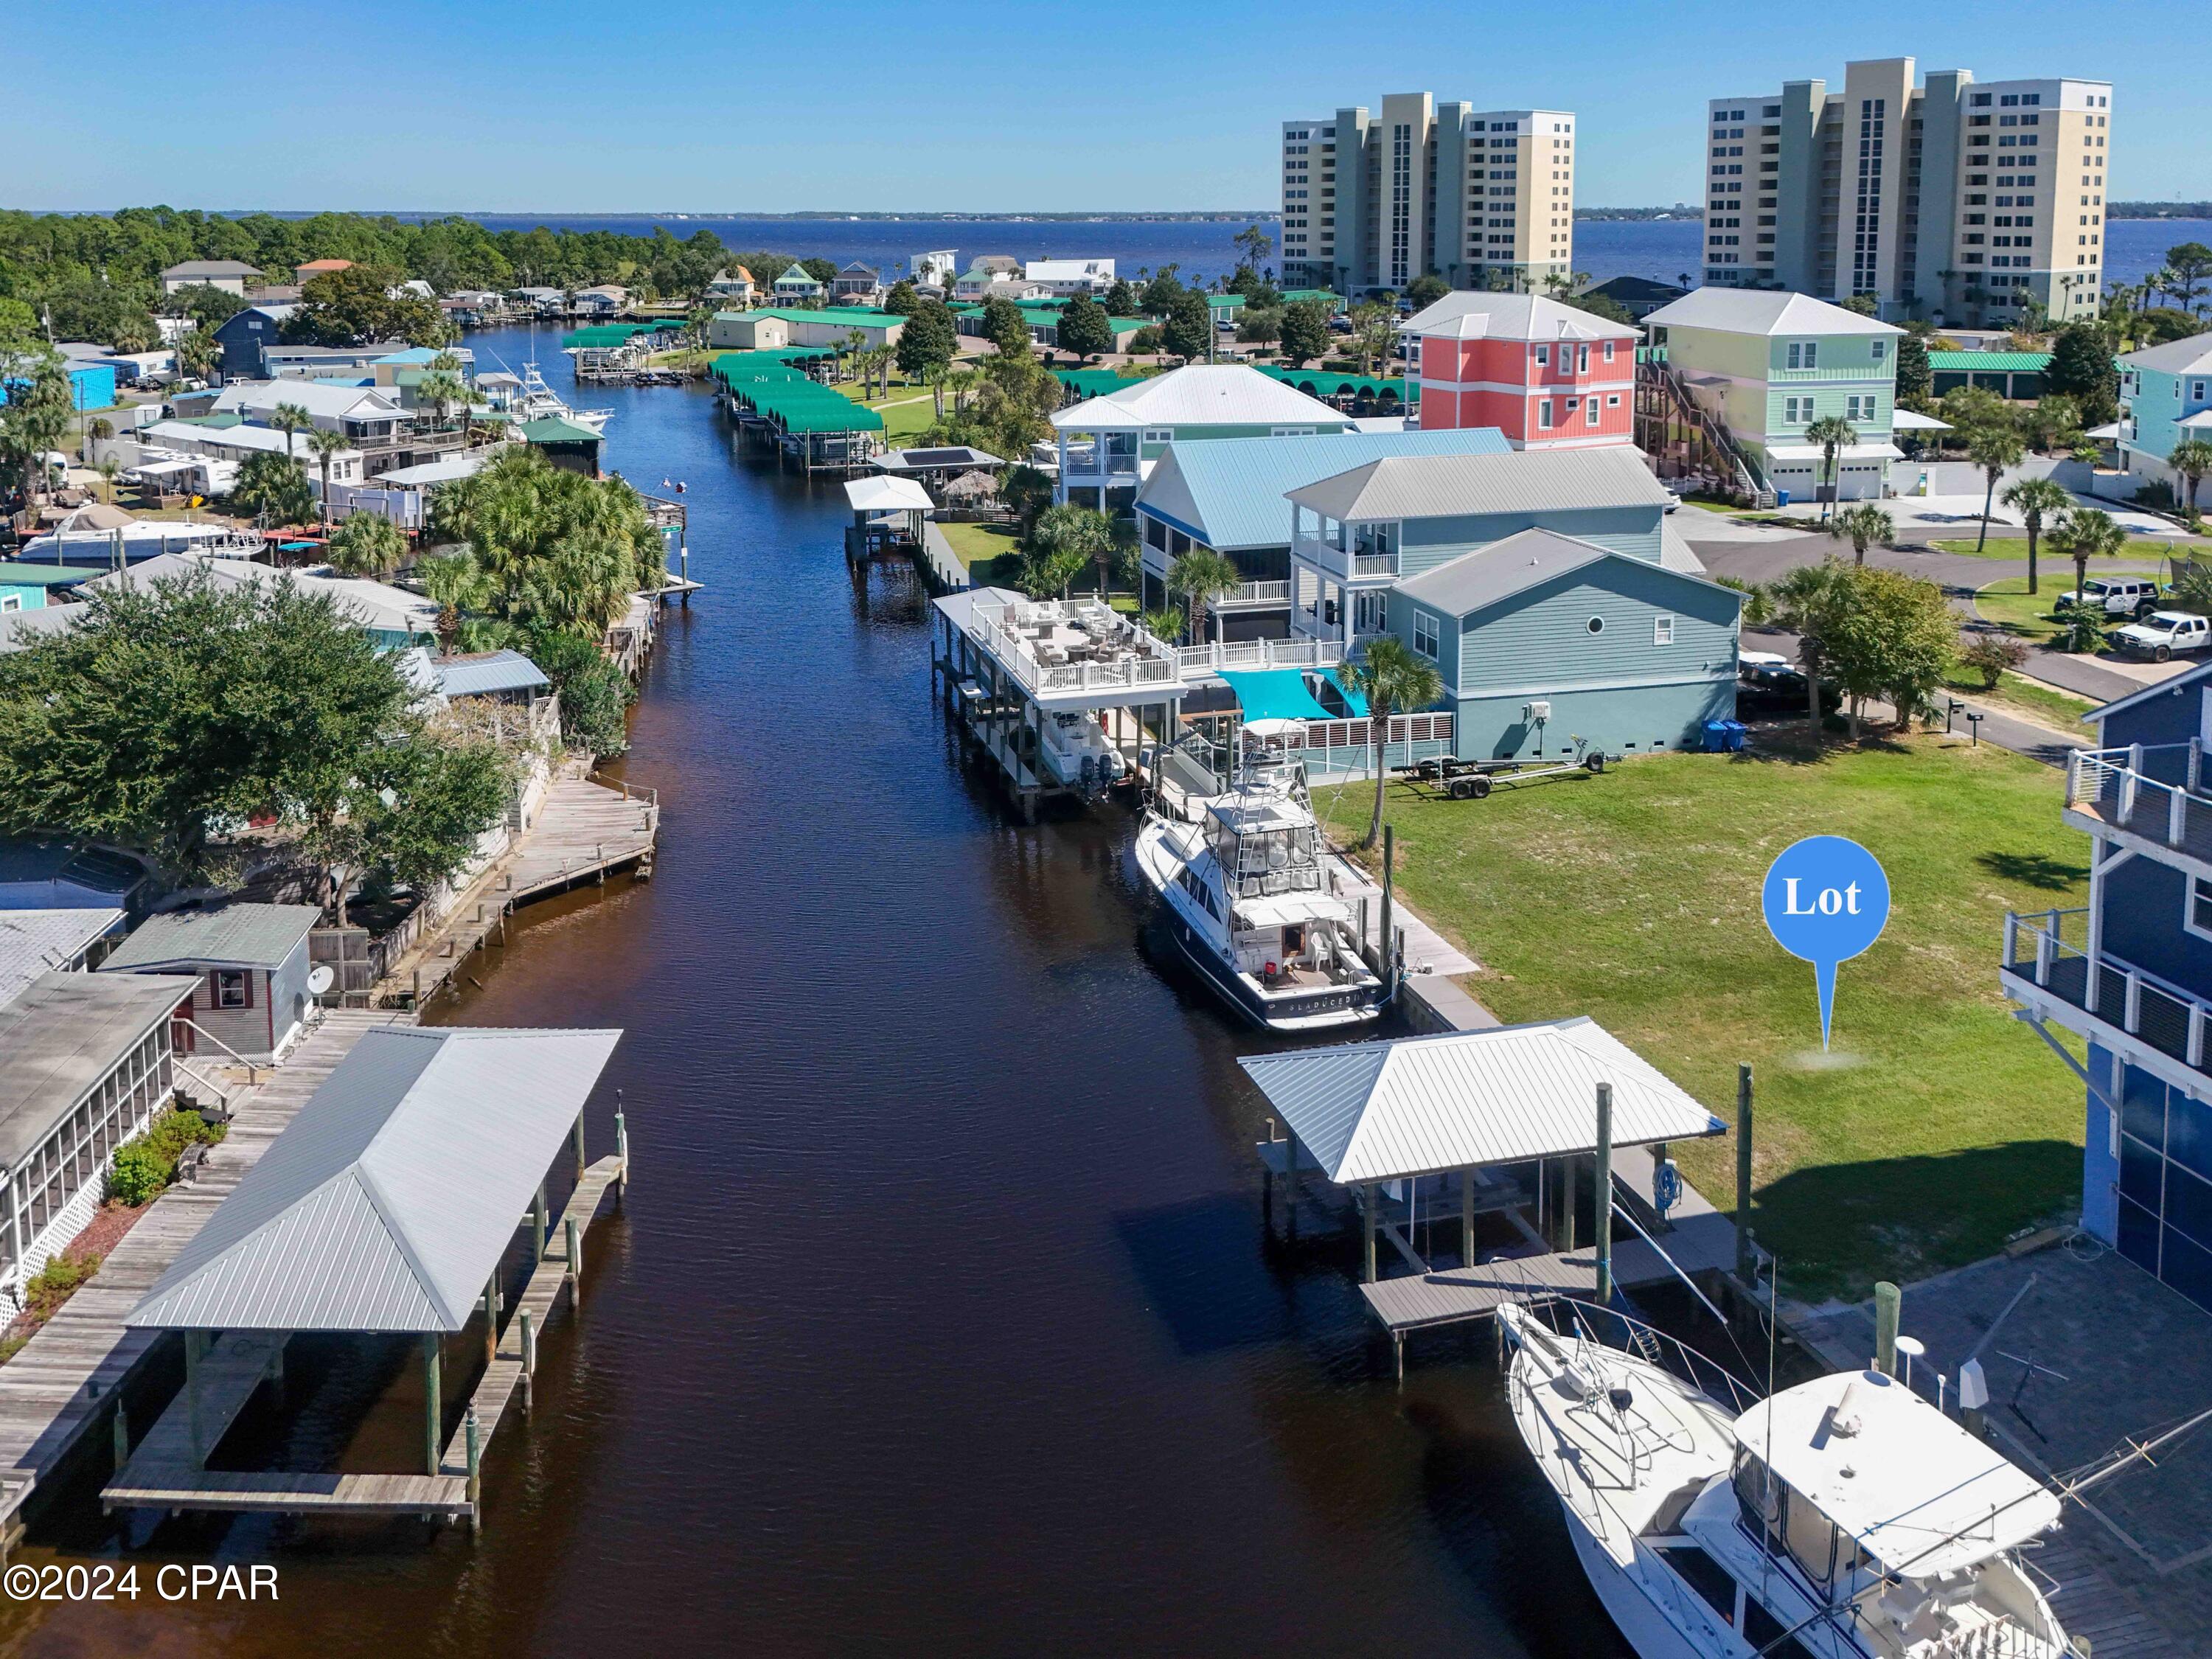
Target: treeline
<point>2158,210</point>
<point>88,273</point>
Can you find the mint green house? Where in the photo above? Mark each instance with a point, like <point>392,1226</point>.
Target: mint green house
<point>1769,364</point>
<point>1108,444</point>
<point>27,586</point>
<point>1546,585</point>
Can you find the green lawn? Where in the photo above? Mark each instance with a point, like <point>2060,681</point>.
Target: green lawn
<point>2147,549</point>
<point>2007,604</point>
<point>908,413</point>
<point>1938,1126</point>
<point>2054,708</point>
<point>992,552</point>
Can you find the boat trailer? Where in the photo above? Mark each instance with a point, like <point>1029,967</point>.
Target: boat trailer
<point>1471,779</point>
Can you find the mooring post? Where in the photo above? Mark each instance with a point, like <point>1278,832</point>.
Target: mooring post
<point>1466,1216</point>
<point>476,1475</point>
<point>434,1405</point>
<point>1746,1260</point>
<point>1888,1303</point>
<point>577,1138</point>
<point>195,1351</point>
<point>538,1224</point>
<point>1602,1197</point>
<point>1367,1206</point>
<point>621,1147</point>
<point>1382,963</point>
<point>1291,1178</point>
<point>491,1319</point>
<point>529,1355</point>
<point>276,1368</point>
<point>122,1428</point>
<point>575,1244</point>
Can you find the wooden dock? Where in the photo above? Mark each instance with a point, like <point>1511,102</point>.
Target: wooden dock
<point>588,828</point>
<point>166,1471</point>
<point>62,1386</point>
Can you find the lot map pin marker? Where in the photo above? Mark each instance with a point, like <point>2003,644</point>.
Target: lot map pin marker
<point>1826,900</point>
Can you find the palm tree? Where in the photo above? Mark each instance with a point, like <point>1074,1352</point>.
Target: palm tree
<point>2087,533</point>
<point>1996,449</point>
<point>110,470</point>
<point>1396,679</point>
<point>1164,624</point>
<point>1082,530</point>
<point>196,352</point>
<point>1834,434</point>
<point>326,444</point>
<point>2037,500</point>
<point>1808,602</point>
<point>454,583</point>
<point>366,545</point>
<point>442,391</point>
<point>1198,578</point>
<point>2193,459</point>
<point>288,419</point>
<point>1862,526</point>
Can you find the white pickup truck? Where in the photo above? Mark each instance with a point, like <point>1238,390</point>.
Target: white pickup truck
<point>2162,634</point>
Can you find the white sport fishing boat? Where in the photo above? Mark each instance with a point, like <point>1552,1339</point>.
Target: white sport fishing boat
<point>1845,1518</point>
<point>536,400</point>
<point>1247,900</point>
<point>1071,746</point>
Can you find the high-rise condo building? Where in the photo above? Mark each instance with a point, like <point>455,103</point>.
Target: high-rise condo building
<point>1958,201</point>
<point>1483,198</point>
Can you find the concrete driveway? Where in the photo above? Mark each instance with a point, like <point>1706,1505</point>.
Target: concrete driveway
<point>1953,516</point>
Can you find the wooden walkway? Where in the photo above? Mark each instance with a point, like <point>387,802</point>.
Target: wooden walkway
<point>165,1472</point>
<point>62,1383</point>
<point>585,830</point>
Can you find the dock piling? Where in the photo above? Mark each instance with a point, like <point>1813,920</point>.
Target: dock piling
<point>475,1473</point>
<point>1888,1304</point>
<point>538,1224</point>
<point>1367,1227</point>
<point>575,1259</point>
<point>579,1138</point>
<point>195,1352</point>
<point>1746,1262</point>
<point>491,1319</point>
<point>1601,1198</point>
<point>529,1358</point>
<point>621,1146</point>
<point>122,1427</point>
<point>434,1406</point>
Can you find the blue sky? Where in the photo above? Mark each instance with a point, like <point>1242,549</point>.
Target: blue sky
<point>499,105</point>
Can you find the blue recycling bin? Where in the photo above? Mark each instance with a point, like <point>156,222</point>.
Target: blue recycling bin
<point>1782,498</point>
<point>1723,737</point>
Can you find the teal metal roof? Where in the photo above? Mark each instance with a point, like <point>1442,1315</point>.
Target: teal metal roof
<point>1990,362</point>
<point>1274,694</point>
<point>46,576</point>
<point>1229,492</point>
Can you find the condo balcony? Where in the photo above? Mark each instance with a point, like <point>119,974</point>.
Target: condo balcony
<point>2050,968</point>
<point>2149,798</point>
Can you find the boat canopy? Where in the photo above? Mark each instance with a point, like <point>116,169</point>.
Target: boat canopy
<point>1920,1496</point>
<point>1274,694</point>
<point>1383,1111</point>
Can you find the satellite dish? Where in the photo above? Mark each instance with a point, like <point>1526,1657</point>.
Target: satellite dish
<point>320,979</point>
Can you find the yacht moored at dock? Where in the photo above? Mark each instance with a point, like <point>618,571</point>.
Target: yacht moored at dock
<point>1843,1518</point>
<point>1247,900</point>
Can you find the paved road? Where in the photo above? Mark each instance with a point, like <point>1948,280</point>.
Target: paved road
<point>1959,574</point>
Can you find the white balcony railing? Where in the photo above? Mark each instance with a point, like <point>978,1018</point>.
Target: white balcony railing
<point>1252,593</point>
<point>2107,988</point>
<point>1119,655</point>
<point>2154,790</point>
<point>1346,565</point>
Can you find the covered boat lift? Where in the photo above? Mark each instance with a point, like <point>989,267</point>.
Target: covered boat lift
<point>388,1207</point>
<point>1491,1129</point>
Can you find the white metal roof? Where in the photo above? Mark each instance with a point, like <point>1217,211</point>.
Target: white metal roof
<point>1921,1495</point>
<point>1517,481</point>
<point>1469,316</point>
<point>389,1200</point>
<point>1380,1111</point>
<point>1911,420</point>
<point>1201,394</point>
<point>878,494</point>
<point>316,397</point>
<point>35,942</point>
<point>372,604</point>
<point>2185,356</point>
<point>193,439</point>
<point>1762,311</point>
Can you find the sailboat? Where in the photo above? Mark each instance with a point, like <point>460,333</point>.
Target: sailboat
<point>1843,1518</point>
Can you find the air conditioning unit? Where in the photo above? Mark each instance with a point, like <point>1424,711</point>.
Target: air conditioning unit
<point>1536,714</point>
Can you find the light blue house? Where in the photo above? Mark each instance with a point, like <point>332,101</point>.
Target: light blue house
<point>2166,397</point>
<point>1226,494</point>
<point>1545,585</point>
<point>28,587</point>
<point>2131,974</point>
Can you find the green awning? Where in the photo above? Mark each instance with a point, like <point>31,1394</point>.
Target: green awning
<point>1274,694</point>
<point>552,429</point>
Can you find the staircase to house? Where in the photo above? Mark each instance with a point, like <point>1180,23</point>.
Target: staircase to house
<point>1685,440</point>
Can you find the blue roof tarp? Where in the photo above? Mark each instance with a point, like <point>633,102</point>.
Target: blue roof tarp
<point>1274,694</point>
<point>1342,681</point>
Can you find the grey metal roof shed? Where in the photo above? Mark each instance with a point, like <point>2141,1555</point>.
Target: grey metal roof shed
<point>391,1197</point>
<point>232,936</point>
<point>1517,480</point>
<point>1384,1111</point>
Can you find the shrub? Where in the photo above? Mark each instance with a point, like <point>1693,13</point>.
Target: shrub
<point>51,1286</point>
<point>1989,655</point>
<point>2083,630</point>
<point>146,1163</point>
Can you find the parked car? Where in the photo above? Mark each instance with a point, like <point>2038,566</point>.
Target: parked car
<point>2162,634</point>
<point>2117,595</point>
<point>1769,687</point>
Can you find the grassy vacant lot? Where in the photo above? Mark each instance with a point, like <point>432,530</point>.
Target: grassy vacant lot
<point>992,552</point>
<point>908,413</point>
<point>1938,1126</point>
<point>2149,550</point>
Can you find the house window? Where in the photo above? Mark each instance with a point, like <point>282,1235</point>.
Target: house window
<point>1804,353</point>
<point>11,601</point>
<point>1859,409</point>
<point>234,988</point>
<point>1597,624</point>
<point>1543,354</point>
<point>1590,412</point>
<point>1878,348</point>
<point>1663,631</point>
<point>1544,414</point>
<point>1159,434</point>
<point>1426,635</point>
<point>1609,350</point>
<point>1613,400</point>
<point>1369,613</point>
<point>1795,409</point>
<point>2196,911</point>
<point>2197,392</point>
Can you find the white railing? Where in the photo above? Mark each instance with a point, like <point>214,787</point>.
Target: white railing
<point>2107,987</point>
<point>1344,562</point>
<point>2120,785</point>
<point>1255,593</point>
<point>1147,660</point>
<point>1375,564</point>
<point>1197,661</point>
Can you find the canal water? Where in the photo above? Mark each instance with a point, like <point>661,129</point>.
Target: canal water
<point>940,1317</point>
